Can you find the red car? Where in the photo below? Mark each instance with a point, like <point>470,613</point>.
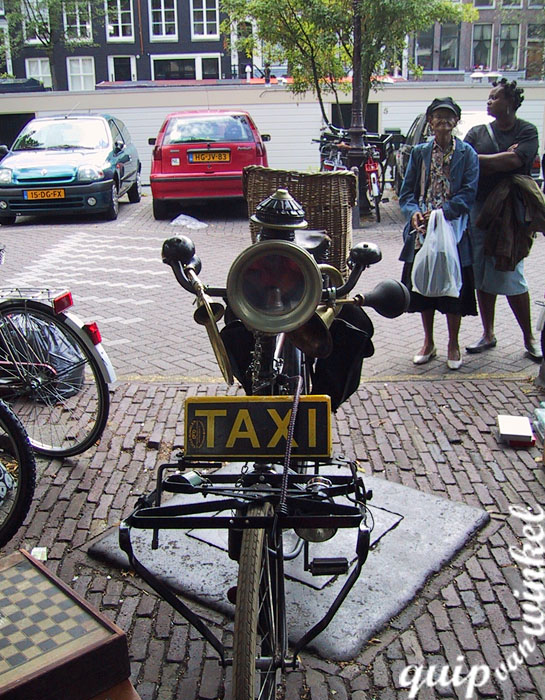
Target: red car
<point>201,155</point>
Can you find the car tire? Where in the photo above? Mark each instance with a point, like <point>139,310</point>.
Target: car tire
<point>135,191</point>
<point>7,220</point>
<point>113,209</point>
<point>160,209</point>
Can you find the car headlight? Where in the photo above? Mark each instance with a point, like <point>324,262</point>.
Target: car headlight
<point>5,176</point>
<point>90,172</point>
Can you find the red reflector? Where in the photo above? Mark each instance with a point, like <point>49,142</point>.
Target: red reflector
<point>62,302</point>
<point>92,331</point>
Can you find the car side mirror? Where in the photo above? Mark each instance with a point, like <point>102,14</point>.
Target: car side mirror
<point>118,146</point>
<point>3,149</point>
<point>265,137</point>
<point>152,141</point>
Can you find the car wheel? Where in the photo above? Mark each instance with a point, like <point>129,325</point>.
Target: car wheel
<point>113,209</point>
<point>160,209</point>
<point>7,220</point>
<point>135,192</point>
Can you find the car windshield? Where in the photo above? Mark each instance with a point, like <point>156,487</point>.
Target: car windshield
<point>62,134</point>
<point>208,129</point>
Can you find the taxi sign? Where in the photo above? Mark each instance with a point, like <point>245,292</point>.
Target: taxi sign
<point>256,427</point>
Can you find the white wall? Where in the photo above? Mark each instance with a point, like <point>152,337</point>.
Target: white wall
<point>292,121</point>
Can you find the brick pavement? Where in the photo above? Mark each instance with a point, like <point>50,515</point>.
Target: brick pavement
<point>423,427</point>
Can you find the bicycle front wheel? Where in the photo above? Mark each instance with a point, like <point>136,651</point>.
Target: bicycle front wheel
<point>51,380</point>
<point>17,474</point>
<point>258,647</point>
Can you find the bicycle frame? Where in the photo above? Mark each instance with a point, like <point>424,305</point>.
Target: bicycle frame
<point>371,167</point>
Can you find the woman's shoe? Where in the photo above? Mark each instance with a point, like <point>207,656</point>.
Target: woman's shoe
<point>481,345</point>
<point>455,364</point>
<point>423,359</point>
<point>533,350</point>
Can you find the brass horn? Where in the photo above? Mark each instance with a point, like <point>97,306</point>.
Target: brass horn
<point>207,314</point>
<point>207,310</point>
<point>314,338</point>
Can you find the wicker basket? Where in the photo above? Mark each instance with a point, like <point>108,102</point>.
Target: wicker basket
<point>327,199</point>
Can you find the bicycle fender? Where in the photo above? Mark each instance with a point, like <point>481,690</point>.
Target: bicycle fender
<point>101,356</point>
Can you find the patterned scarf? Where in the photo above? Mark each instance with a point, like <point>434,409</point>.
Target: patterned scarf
<point>439,180</point>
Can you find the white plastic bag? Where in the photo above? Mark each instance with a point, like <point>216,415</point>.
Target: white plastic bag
<point>436,269</point>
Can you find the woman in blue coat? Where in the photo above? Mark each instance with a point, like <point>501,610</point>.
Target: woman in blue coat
<point>442,174</point>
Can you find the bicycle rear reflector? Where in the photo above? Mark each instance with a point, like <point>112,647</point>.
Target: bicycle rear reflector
<point>92,331</point>
<point>274,286</point>
<point>62,302</point>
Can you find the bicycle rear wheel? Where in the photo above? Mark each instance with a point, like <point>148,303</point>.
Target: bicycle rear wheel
<point>17,474</point>
<point>51,380</point>
<point>259,634</point>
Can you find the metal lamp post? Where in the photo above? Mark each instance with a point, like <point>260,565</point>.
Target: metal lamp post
<point>356,130</point>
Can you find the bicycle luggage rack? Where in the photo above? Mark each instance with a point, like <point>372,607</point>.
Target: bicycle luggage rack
<point>234,492</point>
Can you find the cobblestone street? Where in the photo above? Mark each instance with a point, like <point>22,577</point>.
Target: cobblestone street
<point>425,427</point>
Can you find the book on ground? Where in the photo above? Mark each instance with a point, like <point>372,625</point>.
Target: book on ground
<point>516,430</point>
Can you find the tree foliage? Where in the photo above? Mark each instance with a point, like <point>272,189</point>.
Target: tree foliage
<point>315,37</point>
<point>54,25</point>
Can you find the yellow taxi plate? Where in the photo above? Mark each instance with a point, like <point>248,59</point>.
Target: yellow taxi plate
<point>209,157</point>
<point>256,427</point>
<point>43,194</point>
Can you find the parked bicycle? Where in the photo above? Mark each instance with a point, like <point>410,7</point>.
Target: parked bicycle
<point>54,372</point>
<point>17,474</point>
<point>295,341</point>
<point>334,156</point>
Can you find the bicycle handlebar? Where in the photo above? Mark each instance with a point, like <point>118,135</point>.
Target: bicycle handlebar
<point>389,298</point>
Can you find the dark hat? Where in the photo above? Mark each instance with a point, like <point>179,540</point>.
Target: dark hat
<point>444,103</point>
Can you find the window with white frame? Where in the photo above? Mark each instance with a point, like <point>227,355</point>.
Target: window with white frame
<point>511,3</point>
<point>81,72</point>
<point>34,15</point>
<point>423,49</point>
<point>39,68</point>
<point>5,54</point>
<point>185,66</point>
<point>77,22</point>
<point>205,14</point>
<point>509,47</point>
<point>482,46</point>
<point>485,4</point>
<point>536,4</point>
<point>163,20</point>
<point>119,20</point>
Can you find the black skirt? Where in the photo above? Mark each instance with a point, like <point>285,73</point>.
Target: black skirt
<point>464,305</point>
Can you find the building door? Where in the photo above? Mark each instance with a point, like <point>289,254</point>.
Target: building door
<point>121,68</point>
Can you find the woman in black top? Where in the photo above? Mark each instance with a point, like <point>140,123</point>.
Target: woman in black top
<point>508,149</point>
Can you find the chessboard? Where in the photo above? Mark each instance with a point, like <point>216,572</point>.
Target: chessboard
<point>51,639</point>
